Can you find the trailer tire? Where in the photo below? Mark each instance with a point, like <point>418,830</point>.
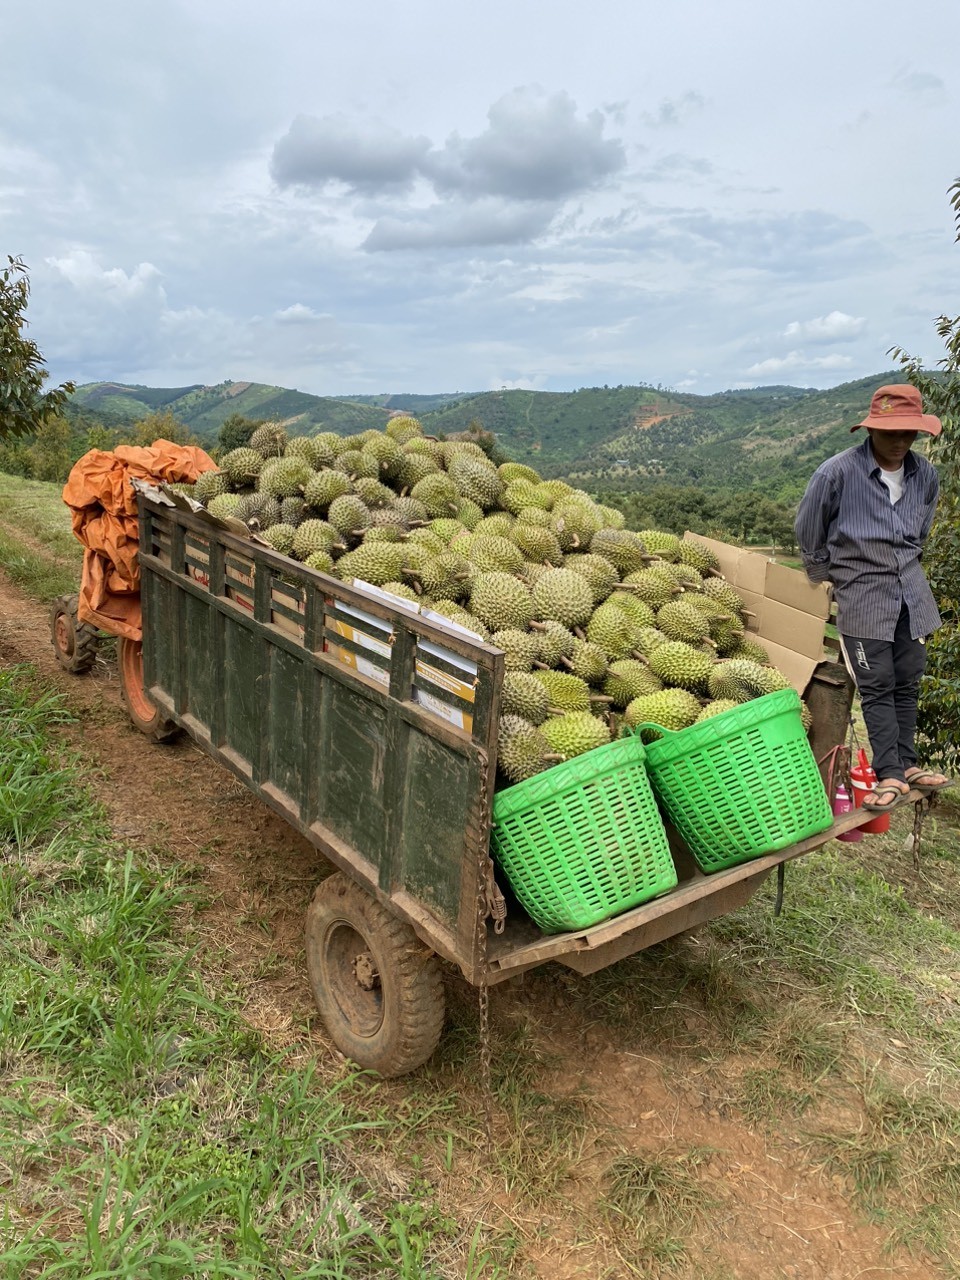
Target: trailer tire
<point>379,989</point>
<point>143,711</point>
<point>74,642</point>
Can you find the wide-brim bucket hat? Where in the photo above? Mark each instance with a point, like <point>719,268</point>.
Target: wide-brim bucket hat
<point>899,408</point>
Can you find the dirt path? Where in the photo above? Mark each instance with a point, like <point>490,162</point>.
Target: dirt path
<point>775,1215</point>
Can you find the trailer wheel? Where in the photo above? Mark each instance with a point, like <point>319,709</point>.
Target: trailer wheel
<point>143,711</point>
<point>378,988</point>
<point>74,642</point>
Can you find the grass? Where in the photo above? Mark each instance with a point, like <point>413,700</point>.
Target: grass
<point>147,1130</point>
<point>37,548</point>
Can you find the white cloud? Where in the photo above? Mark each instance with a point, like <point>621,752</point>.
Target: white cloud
<point>796,361</point>
<point>835,327</point>
<point>675,111</point>
<point>298,314</point>
<point>81,269</point>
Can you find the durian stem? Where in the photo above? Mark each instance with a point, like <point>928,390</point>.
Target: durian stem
<point>580,634</point>
<point>567,663</point>
<point>538,626</point>
<point>600,697</point>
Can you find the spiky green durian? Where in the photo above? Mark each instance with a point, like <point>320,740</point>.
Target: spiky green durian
<point>322,561</point>
<point>439,495</point>
<point>647,639</point>
<point>623,549</point>
<point>469,514</point>
<point>357,464</point>
<point>324,449</point>
<point>242,466</point>
<point>521,648</point>
<point>476,480</point>
<point>349,514</point>
<point>670,709</point>
<point>292,511</point>
<point>499,600</point>
<point>700,557</point>
<point>537,543</point>
<point>403,428</point>
<point>612,630</point>
<point>679,620</point>
<point>575,524</point>
<point>498,524</point>
<point>286,477</point>
<point>566,692</point>
<point>302,447</point>
<point>659,543</point>
<point>588,661</point>
<point>315,535</point>
<point>524,695</point>
<point>654,585</point>
<point>210,484</point>
<point>374,493</point>
<point>523,493</point>
<point>447,609</point>
<point>750,648</point>
<point>226,506</point>
<point>410,511</point>
<point>720,590</point>
<point>638,611</point>
<point>494,555</point>
<point>716,708</point>
<point>522,750</point>
<point>280,537</point>
<point>554,643</point>
<point>376,563</point>
<point>414,467</point>
<point>575,733</point>
<point>680,664</point>
<point>269,440</point>
<point>511,471</point>
<point>629,679</point>
<point>560,595</point>
<point>600,574</point>
<point>324,487</point>
<point>260,511</point>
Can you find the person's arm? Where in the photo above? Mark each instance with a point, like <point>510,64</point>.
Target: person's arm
<point>933,493</point>
<point>818,509</point>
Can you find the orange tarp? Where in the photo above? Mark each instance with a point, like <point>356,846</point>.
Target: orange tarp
<point>104,507</point>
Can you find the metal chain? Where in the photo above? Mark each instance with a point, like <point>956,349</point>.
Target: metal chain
<point>483,991</point>
<point>920,808</point>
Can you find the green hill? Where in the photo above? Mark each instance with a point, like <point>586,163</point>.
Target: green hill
<point>611,438</point>
<point>203,409</point>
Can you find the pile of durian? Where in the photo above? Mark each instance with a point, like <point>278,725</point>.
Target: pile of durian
<point>601,626</point>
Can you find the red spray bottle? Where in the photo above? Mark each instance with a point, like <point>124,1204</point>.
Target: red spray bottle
<point>843,804</point>
<point>864,780</point>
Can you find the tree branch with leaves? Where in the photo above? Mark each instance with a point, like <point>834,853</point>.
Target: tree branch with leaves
<point>24,405</point>
<point>939,719</point>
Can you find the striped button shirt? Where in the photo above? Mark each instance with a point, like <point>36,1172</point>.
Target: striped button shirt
<point>850,534</point>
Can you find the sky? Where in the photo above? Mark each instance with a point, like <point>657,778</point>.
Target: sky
<point>432,197</point>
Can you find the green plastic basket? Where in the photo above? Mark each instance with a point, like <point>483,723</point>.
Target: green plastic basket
<point>740,783</point>
<point>584,840</point>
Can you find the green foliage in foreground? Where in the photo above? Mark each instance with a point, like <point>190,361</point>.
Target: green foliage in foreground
<point>145,1131</point>
<point>24,405</point>
<point>940,691</point>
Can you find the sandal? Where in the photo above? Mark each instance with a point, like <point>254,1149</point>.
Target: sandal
<point>888,789</point>
<point>916,774</point>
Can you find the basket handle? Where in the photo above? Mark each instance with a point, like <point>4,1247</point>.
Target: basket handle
<point>650,724</point>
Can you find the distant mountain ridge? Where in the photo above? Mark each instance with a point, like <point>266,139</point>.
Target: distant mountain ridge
<point>602,437</point>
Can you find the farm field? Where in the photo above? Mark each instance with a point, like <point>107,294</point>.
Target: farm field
<point>766,1098</point>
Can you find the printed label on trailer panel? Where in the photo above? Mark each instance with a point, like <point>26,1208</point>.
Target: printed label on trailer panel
<point>443,711</point>
<point>462,681</point>
<point>198,561</point>
<point>392,602</point>
<point>450,625</point>
<point>358,663</point>
<point>359,637</point>
<point>236,577</point>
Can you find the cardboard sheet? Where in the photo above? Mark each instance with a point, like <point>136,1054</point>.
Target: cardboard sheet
<point>789,613</point>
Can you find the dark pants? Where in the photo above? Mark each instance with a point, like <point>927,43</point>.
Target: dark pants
<point>888,677</point>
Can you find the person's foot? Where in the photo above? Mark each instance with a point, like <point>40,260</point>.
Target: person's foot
<point>885,795</point>
<point>926,779</point>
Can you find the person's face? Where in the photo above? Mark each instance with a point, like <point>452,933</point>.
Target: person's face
<point>891,447</point>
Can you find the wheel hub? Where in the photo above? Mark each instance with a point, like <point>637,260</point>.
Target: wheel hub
<point>365,971</point>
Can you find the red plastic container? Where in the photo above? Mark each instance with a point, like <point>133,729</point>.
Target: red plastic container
<point>864,780</point>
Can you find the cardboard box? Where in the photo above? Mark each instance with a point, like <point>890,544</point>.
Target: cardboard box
<point>787,612</point>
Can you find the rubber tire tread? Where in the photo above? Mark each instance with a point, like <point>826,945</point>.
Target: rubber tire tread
<point>86,639</point>
<point>414,1005</point>
<point>157,726</point>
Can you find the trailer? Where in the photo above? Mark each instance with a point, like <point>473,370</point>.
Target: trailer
<point>372,730</point>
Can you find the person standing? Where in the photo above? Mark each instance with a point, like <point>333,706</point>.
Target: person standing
<point>861,526</point>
